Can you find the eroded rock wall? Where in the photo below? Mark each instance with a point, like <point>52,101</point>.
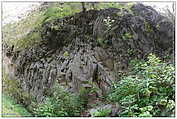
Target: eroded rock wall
<point>72,55</point>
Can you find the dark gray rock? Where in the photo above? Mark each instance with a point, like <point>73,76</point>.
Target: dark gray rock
<point>133,34</point>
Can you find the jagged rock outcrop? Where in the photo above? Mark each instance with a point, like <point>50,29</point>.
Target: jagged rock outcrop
<point>97,50</point>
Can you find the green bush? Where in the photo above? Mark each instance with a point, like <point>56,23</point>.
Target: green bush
<point>60,104</point>
<point>149,90</point>
<point>101,113</point>
<point>55,11</point>
<point>115,5</point>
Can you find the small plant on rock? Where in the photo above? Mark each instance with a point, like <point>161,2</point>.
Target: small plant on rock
<point>101,113</point>
<point>61,104</point>
<point>108,22</point>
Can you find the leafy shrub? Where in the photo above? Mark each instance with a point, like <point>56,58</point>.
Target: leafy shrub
<point>60,104</point>
<point>108,22</point>
<point>53,12</point>
<point>101,113</point>
<point>148,91</point>
<point>127,36</point>
<point>148,27</point>
<point>66,54</point>
<point>115,5</point>
<point>56,11</point>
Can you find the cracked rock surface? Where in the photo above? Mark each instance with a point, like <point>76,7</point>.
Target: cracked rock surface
<point>134,34</point>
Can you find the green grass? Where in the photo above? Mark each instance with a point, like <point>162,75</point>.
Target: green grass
<point>11,109</point>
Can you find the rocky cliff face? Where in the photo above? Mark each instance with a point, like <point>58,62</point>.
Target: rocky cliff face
<point>90,49</point>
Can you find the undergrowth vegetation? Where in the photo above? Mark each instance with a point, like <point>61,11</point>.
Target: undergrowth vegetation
<point>12,88</point>
<point>101,113</point>
<point>61,10</point>
<point>60,104</point>
<point>115,5</point>
<point>11,109</point>
<point>149,90</point>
